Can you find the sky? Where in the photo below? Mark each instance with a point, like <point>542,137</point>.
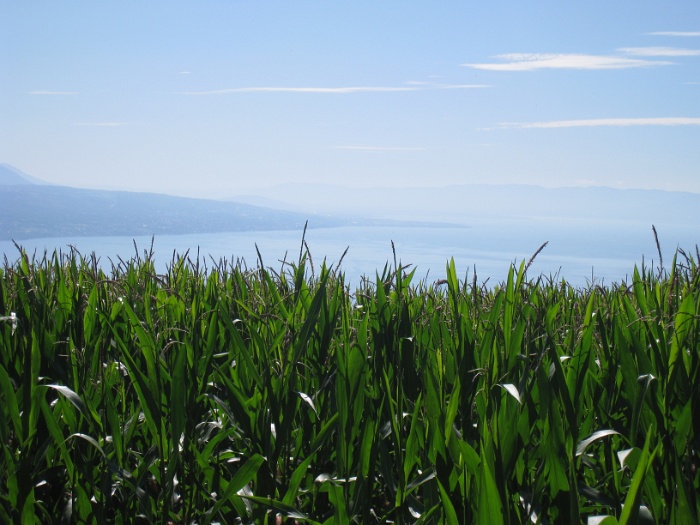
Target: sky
<point>214,98</point>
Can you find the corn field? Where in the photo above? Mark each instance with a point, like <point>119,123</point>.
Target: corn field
<point>217,394</point>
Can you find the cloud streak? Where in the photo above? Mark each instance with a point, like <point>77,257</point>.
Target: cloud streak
<point>659,51</point>
<point>334,90</point>
<point>378,148</point>
<point>101,124</point>
<point>605,122</point>
<point>675,33</point>
<point>536,61</point>
<point>45,92</point>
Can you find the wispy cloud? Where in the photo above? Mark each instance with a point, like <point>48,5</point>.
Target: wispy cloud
<point>378,148</point>
<point>334,90</point>
<point>609,122</point>
<point>659,51</point>
<point>101,124</point>
<point>412,86</point>
<point>535,61</point>
<point>422,85</point>
<point>675,33</point>
<point>461,86</point>
<point>44,92</point>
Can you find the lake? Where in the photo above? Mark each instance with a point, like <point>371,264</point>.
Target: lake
<point>580,251</point>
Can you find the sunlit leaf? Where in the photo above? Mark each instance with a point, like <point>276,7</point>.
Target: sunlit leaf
<point>583,444</point>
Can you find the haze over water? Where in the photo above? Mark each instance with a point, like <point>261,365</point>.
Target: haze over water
<point>581,253</point>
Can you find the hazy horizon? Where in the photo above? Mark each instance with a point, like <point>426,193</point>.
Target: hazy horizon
<point>209,98</point>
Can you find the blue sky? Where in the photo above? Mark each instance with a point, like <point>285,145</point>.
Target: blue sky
<point>212,98</point>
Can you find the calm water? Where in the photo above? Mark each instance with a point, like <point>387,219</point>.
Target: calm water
<point>578,251</point>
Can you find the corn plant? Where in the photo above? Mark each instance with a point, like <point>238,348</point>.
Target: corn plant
<point>218,393</point>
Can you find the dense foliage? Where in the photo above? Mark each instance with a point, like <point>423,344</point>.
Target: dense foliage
<point>224,394</point>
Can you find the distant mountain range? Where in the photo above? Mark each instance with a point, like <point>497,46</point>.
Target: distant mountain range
<point>32,209</point>
<point>11,176</point>
<point>463,203</point>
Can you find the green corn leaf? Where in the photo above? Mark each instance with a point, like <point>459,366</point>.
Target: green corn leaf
<point>630,511</point>
<point>148,402</point>
<point>71,396</point>
<point>629,458</point>
<point>337,498</point>
<point>470,458</point>
<point>682,512</point>
<point>512,390</point>
<point>602,520</point>
<point>241,478</point>
<point>10,403</point>
<point>296,480</point>
<point>420,479</point>
<point>90,440</point>
<point>28,510</point>
<point>490,507</point>
<point>412,443</point>
<point>310,402</point>
<point>684,321</point>
<point>583,444</point>
<point>452,408</point>
<point>178,405</point>
<point>448,510</point>
<point>57,436</point>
